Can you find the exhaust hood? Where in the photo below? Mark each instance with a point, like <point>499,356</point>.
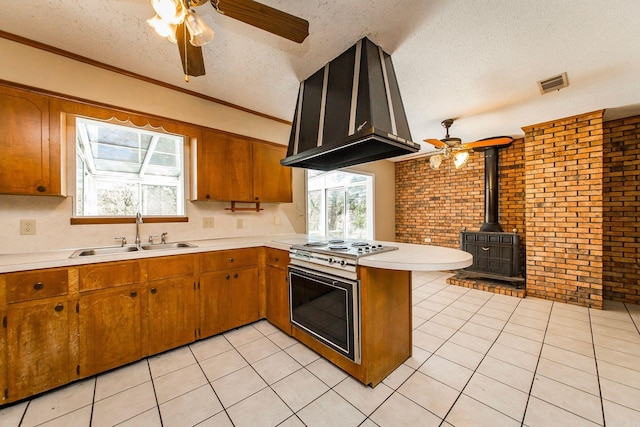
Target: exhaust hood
<point>349,112</point>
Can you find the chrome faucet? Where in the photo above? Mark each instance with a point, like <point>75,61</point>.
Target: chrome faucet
<point>163,238</point>
<point>138,222</point>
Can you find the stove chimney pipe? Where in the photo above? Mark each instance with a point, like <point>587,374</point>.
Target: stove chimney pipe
<point>491,190</point>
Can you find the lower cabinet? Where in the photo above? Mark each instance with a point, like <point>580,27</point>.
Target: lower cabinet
<point>277,285</point>
<point>109,329</point>
<point>37,346</point>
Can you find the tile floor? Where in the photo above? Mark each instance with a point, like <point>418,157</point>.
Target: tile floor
<point>478,359</point>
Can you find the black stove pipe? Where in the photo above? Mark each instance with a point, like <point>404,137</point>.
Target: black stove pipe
<point>491,190</point>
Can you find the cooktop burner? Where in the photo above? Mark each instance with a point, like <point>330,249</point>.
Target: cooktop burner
<point>315,244</point>
<point>338,248</point>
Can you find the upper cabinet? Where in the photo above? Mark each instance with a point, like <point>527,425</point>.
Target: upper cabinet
<point>229,167</point>
<point>30,156</point>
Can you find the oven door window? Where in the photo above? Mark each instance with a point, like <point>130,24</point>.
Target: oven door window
<point>323,306</point>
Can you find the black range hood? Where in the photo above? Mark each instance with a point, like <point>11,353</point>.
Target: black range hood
<point>349,112</point>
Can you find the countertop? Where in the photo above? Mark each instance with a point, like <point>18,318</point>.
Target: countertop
<point>409,257</point>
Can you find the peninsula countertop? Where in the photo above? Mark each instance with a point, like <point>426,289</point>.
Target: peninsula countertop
<point>408,257</point>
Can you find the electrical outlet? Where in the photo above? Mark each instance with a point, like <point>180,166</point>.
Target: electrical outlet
<point>207,222</point>
<point>427,239</point>
<point>239,223</point>
<point>27,226</point>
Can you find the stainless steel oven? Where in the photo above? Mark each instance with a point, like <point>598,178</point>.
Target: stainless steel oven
<point>326,306</point>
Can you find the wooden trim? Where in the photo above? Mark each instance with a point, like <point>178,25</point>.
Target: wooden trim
<point>127,220</point>
<point>89,61</point>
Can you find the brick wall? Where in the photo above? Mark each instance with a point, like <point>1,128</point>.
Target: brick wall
<point>621,227</point>
<point>563,192</point>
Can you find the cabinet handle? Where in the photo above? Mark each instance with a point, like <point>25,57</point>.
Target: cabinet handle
<point>235,276</point>
<point>227,277</point>
<point>231,259</point>
<point>41,188</point>
<point>38,286</point>
<point>154,290</point>
<point>59,307</point>
<point>257,198</point>
<point>277,259</point>
<point>485,249</point>
<point>207,196</point>
<point>134,294</point>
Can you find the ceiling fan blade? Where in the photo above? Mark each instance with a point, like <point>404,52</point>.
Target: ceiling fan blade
<point>435,142</point>
<point>266,18</point>
<point>190,56</point>
<point>489,142</point>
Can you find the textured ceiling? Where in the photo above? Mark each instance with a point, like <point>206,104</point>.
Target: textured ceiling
<point>476,61</point>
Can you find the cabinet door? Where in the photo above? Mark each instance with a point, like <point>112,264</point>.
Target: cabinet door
<point>171,313</point>
<point>109,324</point>
<point>271,180</point>
<point>24,143</point>
<point>3,360</point>
<point>38,347</point>
<point>278,299</point>
<point>228,299</point>
<point>223,167</point>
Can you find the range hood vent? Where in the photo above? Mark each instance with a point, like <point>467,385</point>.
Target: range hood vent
<point>349,112</point>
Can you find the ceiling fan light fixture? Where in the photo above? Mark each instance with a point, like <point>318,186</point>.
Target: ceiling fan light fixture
<point>169,10</point>
<point>200,32</point>
<point>162,27</point>
<point>435,161</point>
<point>460,158</point>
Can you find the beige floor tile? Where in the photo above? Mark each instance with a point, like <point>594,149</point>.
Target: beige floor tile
<point>619,374</point>
<point>497,395</point>
<point>244,335</point>
<point>566,310</point>
<point>569,358</point>
<point>258,349</point>
<point>190,408</point>
<point>530,322</point>
<point>622,334</point>
<point>171,361</point>
<point>491,311</point>
<point>237,386</point>
<point>265,327</point>
<point>617,344</point>
<point>565,331</point>
<point>363,397</point>
<point>569,322</point>
<point>480,331</point>
<point>432,305</point>
<point>150,418</point>
<point>263,409</point>
<point>210,347</point>
<point>416,322</point>
<point>432,395</point>
<point>458,313</point>
<point>299,389</point>
<point>437,330</point>
<point>78,418</point>
<point>326,371</point>
<point>470,412</point>
<point>626,324</point>
<point>123,406</point>
<point>223,364</point>
<point>282,340</point>
<point>567,343</point>
<point>12,415</point>
<point>542,414</point>
<point>471,342</point>
<point>524,331</point>
<point>303,354</point>
<point>440,299</point>
<point>471,304</point>
<point>275,367</point>
<point>620,393</point>
<point>566,397</point>
<point>219,420</point>
<point>59,402</point>
<point>398,376</point>
<point>515,357</point>
<point>619,358</point>
<point>502,306</point>
<point>449,321</point>
<point>426,341</point>
<point>293,421</point>
<point>398,411</point>
<point>447,372</point>
<point>491,322</point>
<point>531,312</point>
<point>418,357</point>
<point>423,313</point>
<point>178,382</point>
<point>460,355</point>
<point>520,343</point>
<point>330,410</point>
<point>506,373</point>
<point>121,379</point>
<point>620,416</point>
<point>570,376</point>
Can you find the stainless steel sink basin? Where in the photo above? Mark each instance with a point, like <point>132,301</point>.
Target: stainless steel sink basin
<point>103,251</point>
<point>173,245</point>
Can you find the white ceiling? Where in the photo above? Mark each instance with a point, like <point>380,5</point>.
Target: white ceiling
<point>476,61</point>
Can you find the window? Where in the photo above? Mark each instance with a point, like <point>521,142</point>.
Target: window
<point>340,205</point>
<point>122,170</point>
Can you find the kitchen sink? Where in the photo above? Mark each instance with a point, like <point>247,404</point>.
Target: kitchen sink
<point>129,248</point>
<point>175,245</point>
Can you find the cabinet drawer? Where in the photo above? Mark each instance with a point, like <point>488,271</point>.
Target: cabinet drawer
<point>30,285</point>
<point>277,258</point>
<point>171,266</point>
<point>108,275</point>
<point>221,260</point>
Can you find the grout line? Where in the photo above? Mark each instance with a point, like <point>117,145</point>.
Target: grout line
<point>595,358</point>
<point>153,385</point>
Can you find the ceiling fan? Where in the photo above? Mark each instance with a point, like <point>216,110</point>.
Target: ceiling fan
<point>177,21</point>
<point>455,149</point>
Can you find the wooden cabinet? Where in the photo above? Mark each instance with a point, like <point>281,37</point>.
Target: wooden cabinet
<point>38,324</point>
<point>277,289</point>
<point>4,391</point>
<point>110,319</point>
<point>30,158</point>
<point>229,167</point>
<point>229,290</point>
<point>171,302</point>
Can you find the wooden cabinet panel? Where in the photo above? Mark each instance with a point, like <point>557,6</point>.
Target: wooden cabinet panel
<point>3,360</point>
<point>29,285</point>
<point>172,314</point>
<point>271,180</point>
<point>38,346</point>
<point>25,166</point>
<point>223,167</point>
<point>277,258</point>
<point>170,266</point>
<point>228,299</point>
<point>278,298</point>
<point>109,323</point>
<point>222,260</point>
<point>108,275</point>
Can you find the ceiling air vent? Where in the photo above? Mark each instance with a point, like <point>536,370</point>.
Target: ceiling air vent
<point>553,83</point>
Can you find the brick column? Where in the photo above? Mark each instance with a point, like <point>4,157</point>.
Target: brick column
<point>564,206</point>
